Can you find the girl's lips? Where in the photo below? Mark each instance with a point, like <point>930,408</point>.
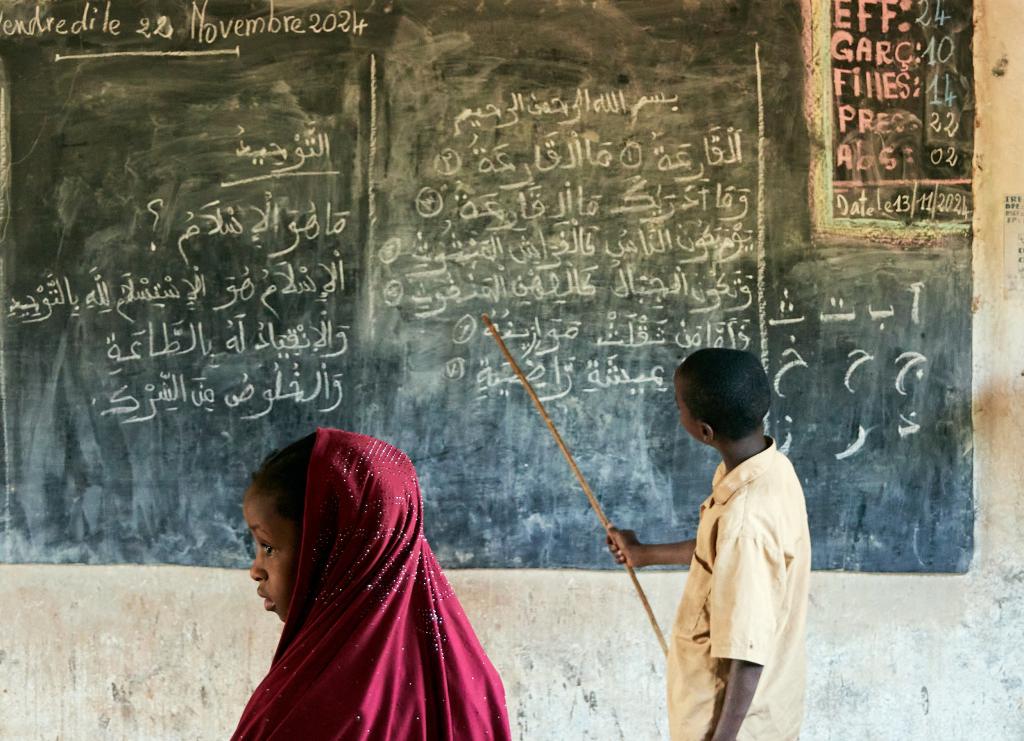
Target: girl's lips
<point>268,604</point>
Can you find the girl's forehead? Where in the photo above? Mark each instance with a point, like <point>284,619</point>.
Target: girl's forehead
<point>257,508</point>
<point>261,514</point>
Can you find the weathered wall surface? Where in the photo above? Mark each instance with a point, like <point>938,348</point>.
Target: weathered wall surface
<point>162,652</point>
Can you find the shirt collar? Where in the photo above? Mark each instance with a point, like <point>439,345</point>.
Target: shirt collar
<point>726,484</point>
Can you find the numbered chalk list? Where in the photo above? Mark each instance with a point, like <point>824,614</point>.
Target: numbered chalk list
<point>901,76</point>
<point>228,223</point>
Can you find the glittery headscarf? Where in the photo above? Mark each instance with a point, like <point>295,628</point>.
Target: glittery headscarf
<point>376,645</point>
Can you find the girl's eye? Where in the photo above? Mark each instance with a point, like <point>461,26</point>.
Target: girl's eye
<point>267,550</point>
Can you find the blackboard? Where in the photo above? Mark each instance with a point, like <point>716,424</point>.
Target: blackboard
<point>902,82</point>
<point>230,222</point>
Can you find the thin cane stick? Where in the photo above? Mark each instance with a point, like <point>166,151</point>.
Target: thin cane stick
<point>576,470</point>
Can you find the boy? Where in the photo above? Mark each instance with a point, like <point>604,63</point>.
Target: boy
<point>736,665</point>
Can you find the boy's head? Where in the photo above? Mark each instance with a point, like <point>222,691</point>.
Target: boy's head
<point>273,506</point>
<point>722,395</point>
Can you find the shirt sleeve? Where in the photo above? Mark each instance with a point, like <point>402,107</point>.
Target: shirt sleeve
<point>746,597</point>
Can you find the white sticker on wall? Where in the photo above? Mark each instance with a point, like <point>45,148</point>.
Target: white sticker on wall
<point>1013,242</point>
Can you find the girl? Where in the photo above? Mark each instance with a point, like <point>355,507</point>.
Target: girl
<point>375,644</point>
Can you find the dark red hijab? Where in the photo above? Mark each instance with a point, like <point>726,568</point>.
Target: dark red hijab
<point>376,645</point>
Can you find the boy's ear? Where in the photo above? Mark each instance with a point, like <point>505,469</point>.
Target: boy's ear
<point>707,432</point>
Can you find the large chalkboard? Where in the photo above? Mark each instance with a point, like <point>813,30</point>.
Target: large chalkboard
<point>225,223</point>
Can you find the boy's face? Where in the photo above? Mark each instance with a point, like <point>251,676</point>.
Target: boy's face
<point>698,431</point>
<point>277,551</point>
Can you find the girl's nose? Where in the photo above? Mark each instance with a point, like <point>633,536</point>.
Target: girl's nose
<point>256,572</point>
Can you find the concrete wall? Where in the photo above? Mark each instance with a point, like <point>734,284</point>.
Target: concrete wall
<point>161,652</point>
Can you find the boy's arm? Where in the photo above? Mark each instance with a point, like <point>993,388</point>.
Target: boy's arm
<point>627,549</point>
<point>739,691</point>
<point>746,594</point>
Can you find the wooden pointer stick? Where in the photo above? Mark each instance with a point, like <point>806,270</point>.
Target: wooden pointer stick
<point>595,505</point>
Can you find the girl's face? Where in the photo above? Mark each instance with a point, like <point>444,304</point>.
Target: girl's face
<point>277,551</point>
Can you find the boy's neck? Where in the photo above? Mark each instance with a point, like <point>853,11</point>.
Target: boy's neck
<point>734,452</point>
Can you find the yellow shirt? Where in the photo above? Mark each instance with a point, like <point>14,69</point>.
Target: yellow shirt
<point>745,598</point>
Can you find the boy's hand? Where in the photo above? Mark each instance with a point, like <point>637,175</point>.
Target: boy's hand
<point>625,547</point>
